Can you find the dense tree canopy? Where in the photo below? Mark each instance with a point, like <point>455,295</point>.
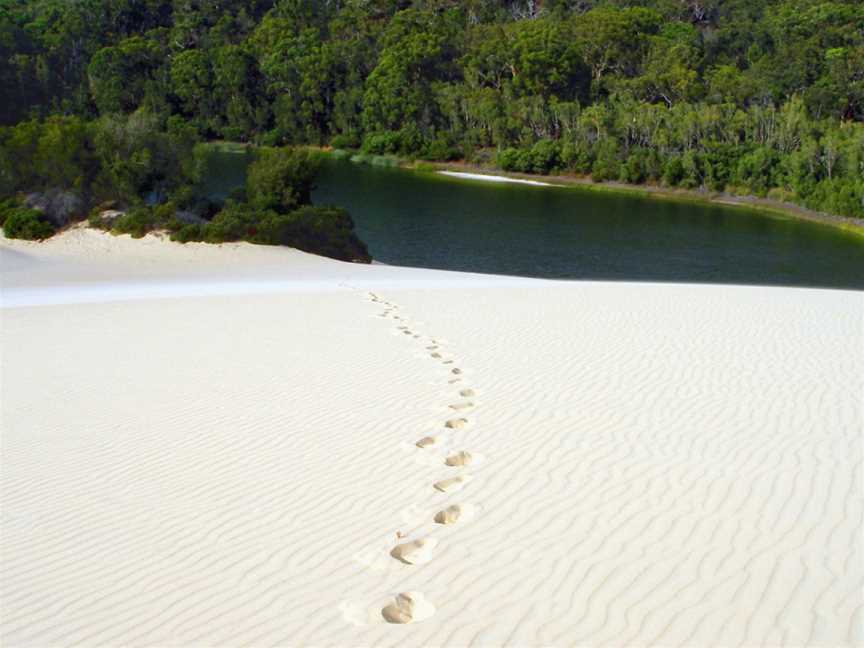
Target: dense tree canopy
<point>756,96</point>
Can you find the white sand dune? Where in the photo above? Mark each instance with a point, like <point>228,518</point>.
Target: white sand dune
<point>485,177</point>
<point>217,446</point>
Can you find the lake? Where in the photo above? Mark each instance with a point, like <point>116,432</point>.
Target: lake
<point>427,220</point>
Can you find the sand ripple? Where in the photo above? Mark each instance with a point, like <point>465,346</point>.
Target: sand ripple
<point>669,465</point>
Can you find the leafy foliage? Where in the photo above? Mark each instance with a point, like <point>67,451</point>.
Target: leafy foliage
<point>281,179</point>
<point>762,96</point>
<point>25,223</point>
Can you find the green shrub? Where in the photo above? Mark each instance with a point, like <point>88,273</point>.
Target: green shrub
<point>692,173</point>
<point>510,159</point>
<point>163,214</point>
<point>606,164</point>
<point>576,157</point>
<point>838,196</point>
<point>673,171</point>
<point>7,208</point>
<point>187,233</point>
<point>94,219</point>
<point>633,169</point>
<point>135,222</point>
<point>27,224</point>
<point>758,170</point>
<point>236,222</point>
<point>328,231</point>
<point>274,137</point>
<point>545,157</point>
<point>440,149</point>
<point>780,195</point>
<point>345,141</point>
<point>480,157</point>
<point>737,190</point>
<point>320,230</point>
<point>379,143</point>
<point>281,179</point>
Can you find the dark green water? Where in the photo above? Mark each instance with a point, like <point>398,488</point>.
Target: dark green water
<point>424,220</point>
<point>419,219</point>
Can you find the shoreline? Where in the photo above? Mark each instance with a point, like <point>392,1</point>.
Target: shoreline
<point>657,192</point>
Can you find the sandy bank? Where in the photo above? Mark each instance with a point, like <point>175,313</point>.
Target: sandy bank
<point>618,464</point>
<point>494,178</point>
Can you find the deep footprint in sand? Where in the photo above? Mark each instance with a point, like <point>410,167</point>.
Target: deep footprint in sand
<point>449,515</point>
<point>461,406</point>
<point>435,355</point>
<point>466,393</point>
<point>426,442</point>
<point>408,607</point>
<point>461,458</point>
<point>452,484</point>
<point>416,552</point>
<point>456,424</point>
<point>457,371</point>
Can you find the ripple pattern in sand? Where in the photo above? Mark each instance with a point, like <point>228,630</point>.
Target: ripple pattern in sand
<point>668,466</point>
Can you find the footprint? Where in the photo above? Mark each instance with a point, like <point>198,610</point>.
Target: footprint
<point>407,332</point>
<point>432,348</point>
<point>449,515</point>
<point>461,406</point>
<point>456,371</point>
<point>435,355</point>
<point>467,393</point>
<point>416,552</point>
<point>408,607</point>
<point>461,458</point>
<point>457,423</point>
<point>454,380</point>
<point>452,484</point>
<point>427,441</point>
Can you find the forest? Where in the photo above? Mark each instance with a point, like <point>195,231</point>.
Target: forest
<point>111,100</point>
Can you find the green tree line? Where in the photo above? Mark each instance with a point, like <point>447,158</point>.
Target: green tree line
<point>136,173</point>
<point>753,96</point>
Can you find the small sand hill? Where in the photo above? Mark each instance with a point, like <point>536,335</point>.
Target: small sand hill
<point>237,445</point>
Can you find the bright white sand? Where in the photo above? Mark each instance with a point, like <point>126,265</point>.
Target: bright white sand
<point>495,178</point>
<point>650,464</point>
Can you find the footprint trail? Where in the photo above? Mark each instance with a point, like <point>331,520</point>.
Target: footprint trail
<point>411,607</point>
